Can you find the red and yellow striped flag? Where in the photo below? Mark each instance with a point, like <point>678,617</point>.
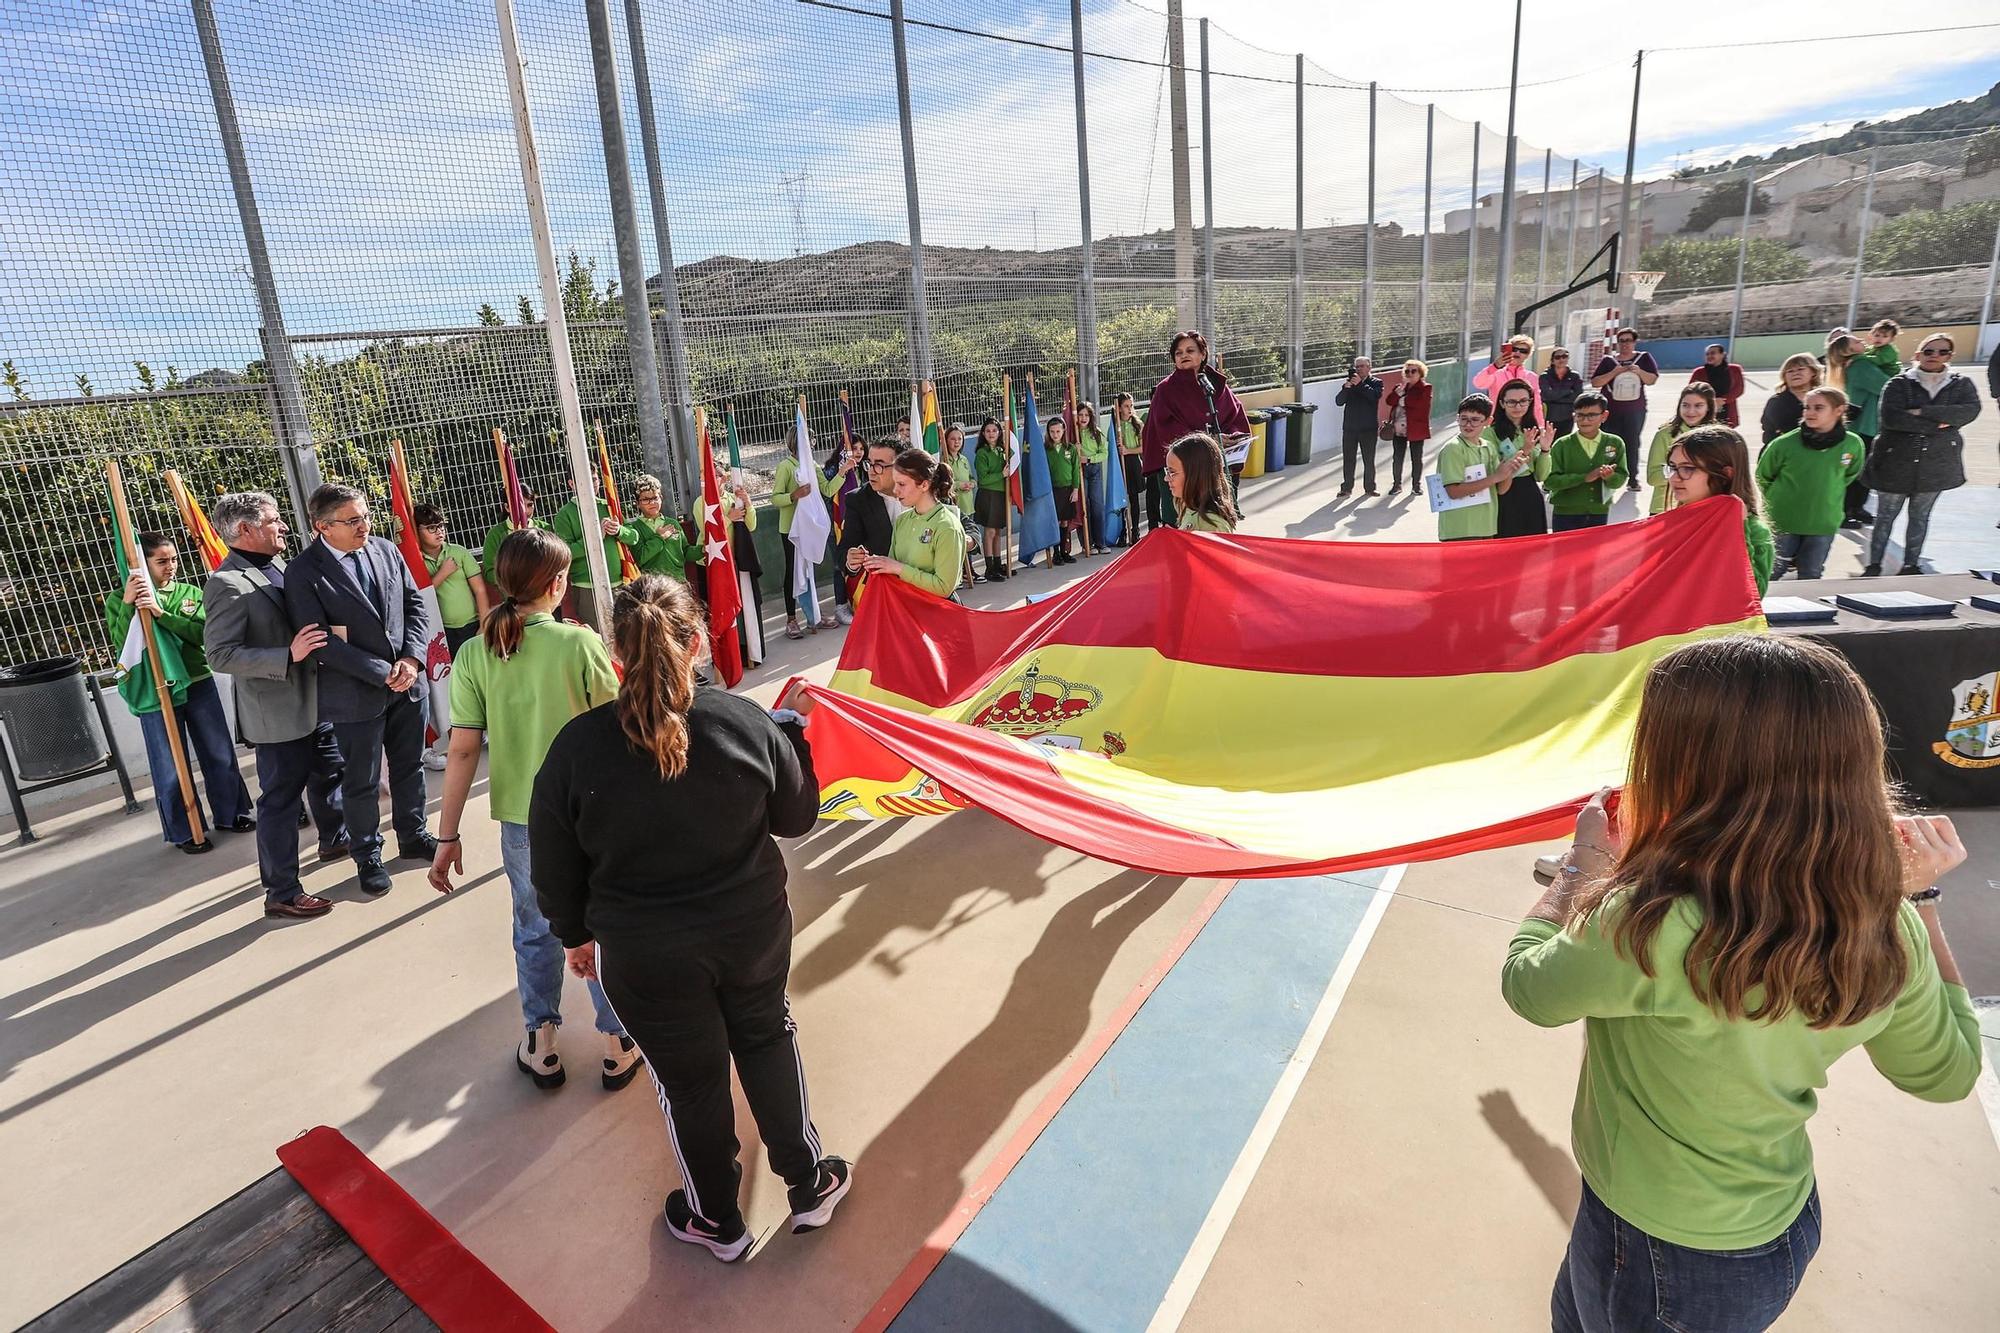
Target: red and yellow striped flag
<point>213,550</point>
<point>628,568</point>
<point>1256,706</point>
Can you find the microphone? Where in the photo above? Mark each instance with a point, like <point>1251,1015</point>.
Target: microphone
<point>1207,384</point>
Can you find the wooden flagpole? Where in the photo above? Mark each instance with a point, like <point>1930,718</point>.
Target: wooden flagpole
<point>1074,428</point>
<point>1007,485</point>
<point>507,479</point>
<point>135,561</point>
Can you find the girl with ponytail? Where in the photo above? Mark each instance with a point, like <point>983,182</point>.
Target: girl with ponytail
<point>927,546</point>
<point>517,685</point>
<point>694,949</point>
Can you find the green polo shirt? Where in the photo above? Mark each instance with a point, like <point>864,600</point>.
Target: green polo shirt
<point>1063,467</point>
<point>457,607</point>
<point>1090,442</point>
<point>522,702</point>
<point>1691,1126</point>
<point>930,547</point>
<point>963,487</point>
<point>1457,458</point>
<point>489,555</point>
<point>1193,522</point>
<point>1571,459</point>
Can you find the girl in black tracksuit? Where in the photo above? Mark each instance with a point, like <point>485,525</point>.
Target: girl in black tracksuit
<point>693,948</point>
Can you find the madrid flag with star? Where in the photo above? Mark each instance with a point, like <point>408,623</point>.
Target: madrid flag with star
<point>725,595</point>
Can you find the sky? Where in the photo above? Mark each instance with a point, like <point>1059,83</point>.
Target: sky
<point>383,155</point>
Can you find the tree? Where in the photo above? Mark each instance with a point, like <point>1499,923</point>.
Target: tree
<point>10,376</point>
<point>1705,263</point>
<point>85,387</point>
<point>148,382</point>
<point>1983,154</point>
<point>1934,238</point>
<point>1723,201</point>
<point>488,316</point>
<point>524,311</point>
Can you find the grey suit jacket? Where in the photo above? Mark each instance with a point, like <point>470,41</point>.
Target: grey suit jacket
<point>354,669</point>
<point>249,636</point>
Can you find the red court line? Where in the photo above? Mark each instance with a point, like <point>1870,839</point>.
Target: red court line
<point>445,1280</point>
<point>940,1241</point>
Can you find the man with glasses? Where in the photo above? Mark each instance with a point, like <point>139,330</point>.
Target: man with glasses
<point>1919,449</point>
<point>371,679</point>
<point>1622,376</point>
<point>868,524</point>
<point>251,638</point>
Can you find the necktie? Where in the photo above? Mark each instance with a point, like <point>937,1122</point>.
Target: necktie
<point>363,580</point>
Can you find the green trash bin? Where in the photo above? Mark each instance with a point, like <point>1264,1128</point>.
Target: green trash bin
<point>1299,439</point>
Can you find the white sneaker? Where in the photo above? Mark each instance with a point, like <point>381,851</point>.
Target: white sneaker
<point>1548,867</point>
<point>621,1060</point>
<point>538,1059</point>
<point>434,761</point>
<point>843,615</point>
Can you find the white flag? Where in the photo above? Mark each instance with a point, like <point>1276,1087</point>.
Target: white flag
<point>1013,453</point>
<point>811,523</point>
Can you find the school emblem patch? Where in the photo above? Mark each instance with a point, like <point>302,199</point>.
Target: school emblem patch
<point>1972,739</point>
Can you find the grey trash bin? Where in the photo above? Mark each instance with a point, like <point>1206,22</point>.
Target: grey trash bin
<point>47,715</point>
<point>1299,441</point>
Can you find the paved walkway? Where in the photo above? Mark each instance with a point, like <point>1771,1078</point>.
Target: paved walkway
<point>1320,1114</point>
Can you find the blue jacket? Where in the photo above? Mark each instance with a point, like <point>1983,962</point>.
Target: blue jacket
<point>353,671</point>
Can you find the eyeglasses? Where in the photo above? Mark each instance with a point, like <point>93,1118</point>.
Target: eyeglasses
<point>1685,471</point>
<point>874,466</point>
<point>1934,351</point>
<point>354,524</point>
<point>433,527</point>
<point>1466,421</point>
<point>1590,414</point>
<point>1626,339</point>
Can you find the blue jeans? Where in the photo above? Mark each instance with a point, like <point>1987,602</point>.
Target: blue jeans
<point>1093,498</point>
<point>538,954</point>
<point>1805,551</point>
<point>1888,504</point>
<point>1616,1278</point>
<point>204,729</point>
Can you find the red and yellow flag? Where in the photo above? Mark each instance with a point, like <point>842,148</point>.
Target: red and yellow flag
<point>628,568</point>
<point>213,551</point>
<point>1256,706</point>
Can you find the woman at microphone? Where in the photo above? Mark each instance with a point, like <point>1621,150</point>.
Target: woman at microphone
<point>1194,398</point>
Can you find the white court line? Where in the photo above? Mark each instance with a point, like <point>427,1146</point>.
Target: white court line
<point>1207,1241</point>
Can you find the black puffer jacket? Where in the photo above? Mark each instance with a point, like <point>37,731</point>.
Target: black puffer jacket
<point>1559,395</point>
<point>1920,446</point>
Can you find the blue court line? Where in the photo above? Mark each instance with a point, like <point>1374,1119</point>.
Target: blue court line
<point>1089,1229</point>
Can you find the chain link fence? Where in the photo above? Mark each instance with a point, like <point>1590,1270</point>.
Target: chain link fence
<point>363,271</point>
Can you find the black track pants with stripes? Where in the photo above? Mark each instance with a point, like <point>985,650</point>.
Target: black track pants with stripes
<point>695,1000</point>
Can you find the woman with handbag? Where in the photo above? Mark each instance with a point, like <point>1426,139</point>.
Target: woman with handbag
<point>1406,424</point>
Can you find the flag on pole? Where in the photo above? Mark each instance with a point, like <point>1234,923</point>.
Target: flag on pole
<point>916,412</point>
<point>213,551</point>
<point>746,582</point>
<point>1110,489</point>
<point>437,657</point>
<point>933,427</point>
<point>628,568</point>
<point>729,432</point>
<point>510,483</point>
<point>135,679</point>
<point>1039,531</point>
<point>725,598</point>
<point>811,523</point>
<point>852,481</point>
<point>1092,718</point>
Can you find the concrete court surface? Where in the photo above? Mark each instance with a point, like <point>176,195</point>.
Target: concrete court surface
<point>161,1039</point>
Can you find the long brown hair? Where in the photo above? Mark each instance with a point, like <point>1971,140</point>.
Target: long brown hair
<point>933,473</point>
<point>527,566</point>
<point>1703,390</point>
<point>657,630</point>
<point>1757,793</point>
<point>1203,487</point>
<point>1721,453</point>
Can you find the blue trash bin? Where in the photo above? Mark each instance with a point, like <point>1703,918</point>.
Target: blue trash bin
<point>1275,436</point>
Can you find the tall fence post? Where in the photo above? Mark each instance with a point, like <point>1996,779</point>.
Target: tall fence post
<point>1423,351</point>
<point>653,444</point>
<point>1861,241</point>
<point>1503,262</point>
<point>1628,244</point>
<point>1298,329</point>
<point>295,440</point>
<point>680,386</point>
<point>1569,263</point>
<point>1368,242</point>
<point>1742,257</point>
<point>1986,301</point>
<point>1597,213</point>
<point>1542,234</point>
<point>554,320</point>
<point>1471,264</point>
<point>1207,203</point>
<point>1086,328</point>
<point>920,316</point>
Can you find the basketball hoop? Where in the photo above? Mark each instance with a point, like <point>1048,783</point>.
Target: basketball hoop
<point>1644,285</point>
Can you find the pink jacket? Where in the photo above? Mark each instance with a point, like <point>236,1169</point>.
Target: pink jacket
<point>1492,379</point>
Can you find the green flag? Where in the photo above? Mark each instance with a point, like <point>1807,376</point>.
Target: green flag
<point>729,430</point>
<point>135,677</point>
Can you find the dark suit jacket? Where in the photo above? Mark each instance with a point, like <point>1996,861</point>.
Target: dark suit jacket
<point>353,672</point>
<point>249,636</point>
<point>865,523</point>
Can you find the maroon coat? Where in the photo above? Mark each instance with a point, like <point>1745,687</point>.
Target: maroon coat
<point>1180,408</point>
<point>1417,416</point>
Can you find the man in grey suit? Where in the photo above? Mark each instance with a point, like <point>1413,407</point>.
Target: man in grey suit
<point>249,637</point>
<point>371,672</point>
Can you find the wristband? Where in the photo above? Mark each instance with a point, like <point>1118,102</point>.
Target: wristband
<point>453,838</point>
<point>1930,895</point>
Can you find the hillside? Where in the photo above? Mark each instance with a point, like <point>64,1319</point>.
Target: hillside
<point>1939,122</point>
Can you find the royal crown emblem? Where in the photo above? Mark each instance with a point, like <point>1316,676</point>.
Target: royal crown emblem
<point>1972,737</point>
<point>1034,703</point>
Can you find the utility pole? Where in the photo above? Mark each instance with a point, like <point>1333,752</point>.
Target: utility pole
<point>1177,110</point>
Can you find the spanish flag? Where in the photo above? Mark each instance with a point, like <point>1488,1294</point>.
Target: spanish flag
<point>1256,706</point>
<point>213,551</point>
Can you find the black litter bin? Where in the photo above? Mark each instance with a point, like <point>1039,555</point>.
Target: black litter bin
<point>1299,440</point>
<point>46,712</point>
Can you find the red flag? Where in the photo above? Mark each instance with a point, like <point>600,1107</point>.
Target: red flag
<point>213,552</point>
<point>628,568</point>
<point>725,595</point>
<point>510,482</point>
<point>406,516</point>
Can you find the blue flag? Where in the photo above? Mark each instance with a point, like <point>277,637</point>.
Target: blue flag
<point>1038,507</point>
<point>1110,489</point>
